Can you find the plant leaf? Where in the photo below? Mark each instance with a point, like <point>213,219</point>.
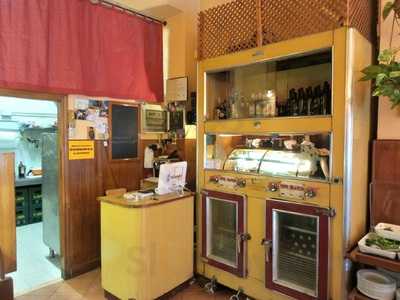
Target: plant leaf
<point>394,74</point>
<point>386,56</point>
<point>373,70</point>
<point>387,9</point>
<point>380,77</point>
<point>377,92</point>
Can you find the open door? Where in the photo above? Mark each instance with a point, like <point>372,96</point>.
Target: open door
<point>8,251</point>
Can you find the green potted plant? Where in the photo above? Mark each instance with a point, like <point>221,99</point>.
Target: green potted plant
<point>386,73</point>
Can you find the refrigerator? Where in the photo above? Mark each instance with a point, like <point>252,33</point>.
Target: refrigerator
<point>50,192</point>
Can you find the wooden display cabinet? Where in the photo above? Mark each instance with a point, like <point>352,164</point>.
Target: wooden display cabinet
<point>244,79</point>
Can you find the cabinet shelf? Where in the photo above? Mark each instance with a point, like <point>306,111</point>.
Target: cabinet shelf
<point>270,125</point>
<point>356,295</point>
<point>375,261</point>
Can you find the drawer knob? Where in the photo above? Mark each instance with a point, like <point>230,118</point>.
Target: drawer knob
<point>310,193</point>
<point>214,179</point>
<point>241,183</point>
<point>273,187</point>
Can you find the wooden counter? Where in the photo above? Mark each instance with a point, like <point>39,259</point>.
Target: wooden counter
<point>145,202</point>
<point>146,245</point>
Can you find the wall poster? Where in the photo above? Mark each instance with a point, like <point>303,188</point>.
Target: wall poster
<point>88,119</point>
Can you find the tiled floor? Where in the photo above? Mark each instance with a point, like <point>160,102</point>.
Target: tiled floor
<point>88,287</point>
<point>33,267</point>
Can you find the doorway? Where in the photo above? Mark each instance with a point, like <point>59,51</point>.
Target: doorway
<point>29,128</point>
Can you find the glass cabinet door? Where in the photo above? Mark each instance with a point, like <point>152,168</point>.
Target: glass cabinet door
<point>297,250</point>
<point>223,231</point>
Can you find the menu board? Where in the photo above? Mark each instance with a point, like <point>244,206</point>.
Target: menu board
<point>124,131</point>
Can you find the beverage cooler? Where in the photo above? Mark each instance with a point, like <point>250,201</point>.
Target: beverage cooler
<point>296,250</point>
<point>224,232</point>
<point>282,184</point>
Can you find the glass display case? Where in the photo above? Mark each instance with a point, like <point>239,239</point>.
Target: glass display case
<point>244,160</point>
<point>300,156</point>
<point>294,86</point>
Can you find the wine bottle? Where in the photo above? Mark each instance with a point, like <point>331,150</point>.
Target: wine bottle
<point>309,96</point>
<point>326,98</point>
<point>293,102</point>
<point>302,102</point>
<point>316,103</point>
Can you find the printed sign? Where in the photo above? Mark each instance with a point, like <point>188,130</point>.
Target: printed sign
<point>292,190</point>
<point>81,150</point>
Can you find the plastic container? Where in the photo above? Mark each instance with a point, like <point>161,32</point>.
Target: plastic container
<point>393,234</point>
<point>372,250</point>
<point>376,285</point>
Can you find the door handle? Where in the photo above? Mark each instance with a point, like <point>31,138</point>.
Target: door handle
<point>242,237</point>
<point>268,247</point>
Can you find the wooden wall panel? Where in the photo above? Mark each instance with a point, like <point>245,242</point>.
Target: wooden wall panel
<point>385,186</point>
<point>86,180</point>
<point>386,161</point>
<point>7,213</point>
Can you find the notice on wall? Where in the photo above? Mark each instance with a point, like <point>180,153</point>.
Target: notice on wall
<point>88,119</point>
<point>78,150</point>
<point>177,89</point>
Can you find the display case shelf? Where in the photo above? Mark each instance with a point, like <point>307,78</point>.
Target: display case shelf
<point>375,261</point>
<point>271,125</point>
<point>356,295</point>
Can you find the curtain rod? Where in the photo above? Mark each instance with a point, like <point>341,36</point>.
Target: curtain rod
<point>130,10</point>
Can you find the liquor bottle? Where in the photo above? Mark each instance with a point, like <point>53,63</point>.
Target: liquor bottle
<point>293,103</point>
<point>309,96</point>
<point>326,99</point>
<point>302,102</point>
<point>221,111</point>
<point>316,102</point>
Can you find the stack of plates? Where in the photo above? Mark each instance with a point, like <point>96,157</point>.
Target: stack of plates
<point>376,285</point>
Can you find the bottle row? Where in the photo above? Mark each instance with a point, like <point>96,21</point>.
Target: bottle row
<point>310,101</point>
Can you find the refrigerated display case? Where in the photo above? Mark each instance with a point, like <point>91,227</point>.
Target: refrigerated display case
<point>299,155</point>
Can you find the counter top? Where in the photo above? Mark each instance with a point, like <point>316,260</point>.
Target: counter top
<point>146,201</point>
<point>28,181</point>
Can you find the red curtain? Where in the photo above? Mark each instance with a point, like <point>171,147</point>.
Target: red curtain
<point>75,47</point>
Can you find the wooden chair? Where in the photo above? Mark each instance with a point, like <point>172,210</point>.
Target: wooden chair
<point>116,192</point>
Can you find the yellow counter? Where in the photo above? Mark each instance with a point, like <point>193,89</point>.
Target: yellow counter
<point>146,245</point>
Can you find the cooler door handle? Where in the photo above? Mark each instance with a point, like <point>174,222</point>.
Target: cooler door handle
<point>268,247</point>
